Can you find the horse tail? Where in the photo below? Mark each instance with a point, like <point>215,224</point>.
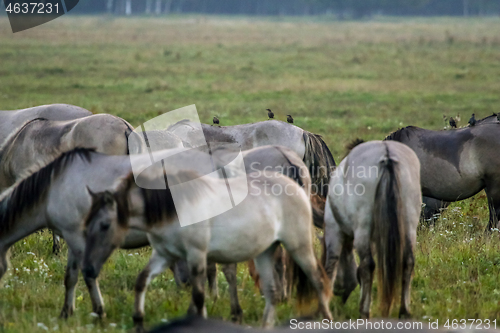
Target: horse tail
<point>253,273</point>
<point>318,210</point>
<point>317,202</point>
<point>305,289</point>
<point>388,232</point>
<point>319,160</point>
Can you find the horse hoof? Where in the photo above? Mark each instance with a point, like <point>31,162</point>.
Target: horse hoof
<point>65,313</point>
<point>237,317</point>
<point>139,324</point>
<point>404,315</point>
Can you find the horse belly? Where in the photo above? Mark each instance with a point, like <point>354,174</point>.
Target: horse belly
<point>228,245</point>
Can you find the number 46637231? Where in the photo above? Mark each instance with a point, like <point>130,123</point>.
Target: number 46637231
<point>32,8</point>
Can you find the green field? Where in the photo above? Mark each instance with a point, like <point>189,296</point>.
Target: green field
<point>340,79</point>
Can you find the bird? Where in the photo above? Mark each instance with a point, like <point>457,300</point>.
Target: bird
<point>498,116</point>
<point>472,120</point>
<point>289,118</point>
<point>453,123</point>
<point>270,114</point>
<point>216,120</point>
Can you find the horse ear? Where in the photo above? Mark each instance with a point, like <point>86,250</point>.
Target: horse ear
<point>92,194</point>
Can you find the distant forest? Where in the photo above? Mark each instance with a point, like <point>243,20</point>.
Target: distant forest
<point>342,9</point>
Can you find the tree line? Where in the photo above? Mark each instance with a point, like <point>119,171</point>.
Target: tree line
<point>341,8</point>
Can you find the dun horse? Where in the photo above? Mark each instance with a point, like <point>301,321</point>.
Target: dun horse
<point>239,234</point>
<point>375,199</point>
<point>457,164</point>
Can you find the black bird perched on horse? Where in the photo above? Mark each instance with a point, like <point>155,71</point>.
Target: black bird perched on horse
<point>216,120</point>
<point>472,120</point>
<point>289,118</point>
<point>270,114</point>
<point>453,123</point>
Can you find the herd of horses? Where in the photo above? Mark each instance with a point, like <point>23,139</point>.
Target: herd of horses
<point>63,168</point>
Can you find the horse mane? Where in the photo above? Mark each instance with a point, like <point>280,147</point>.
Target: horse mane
<point>356,142</point>
<point>26,193</point>
<point>14,134</point>
<point>398,135</point>
<point>158,204</point>
<point>494,115</point>
<point>317,155</point>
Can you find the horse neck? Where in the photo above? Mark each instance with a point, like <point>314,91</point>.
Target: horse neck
<point>137,218</point>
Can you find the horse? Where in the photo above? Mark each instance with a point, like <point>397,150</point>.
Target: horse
<point>457,164</point>
<point>235,235</point>
<point>55,196</point>
<point>37,140</point>
<point>308,146</point>
<point>11,120</point>
<point>374,203</point>
<point>435,206</point>
<point>34,142</point>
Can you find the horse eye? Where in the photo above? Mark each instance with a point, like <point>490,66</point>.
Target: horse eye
<point>105,226</point>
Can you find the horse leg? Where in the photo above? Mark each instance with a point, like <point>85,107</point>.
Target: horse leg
<point>76,245</point>
<point>229,271</point>
<point>493,194</point>
<point>264,264</point>
<point>303,255</point>
<point>181,273</point>
<point>408,265</point>
<point>332,248</point>
<point>197,263</point>
<point>4,262</point>
<point>212,280</point>
<point>56,243</point>
<point>155,266</point>
<point>347,270</point>
<point>279,272</point>
<point>365,273</point>
<point>70,280</point>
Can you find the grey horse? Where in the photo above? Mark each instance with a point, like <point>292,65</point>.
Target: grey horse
<point>435,206</point>
<point>308,146</point>
<point>12,120</point>
<point>374,204</point>
<point>457,164</point>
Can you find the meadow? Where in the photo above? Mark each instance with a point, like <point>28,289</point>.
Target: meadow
<point>339,79</point>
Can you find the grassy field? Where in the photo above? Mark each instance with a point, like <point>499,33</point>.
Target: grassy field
<point>339,79</point>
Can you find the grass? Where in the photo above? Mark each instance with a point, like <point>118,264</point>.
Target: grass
<point>339,79</point>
